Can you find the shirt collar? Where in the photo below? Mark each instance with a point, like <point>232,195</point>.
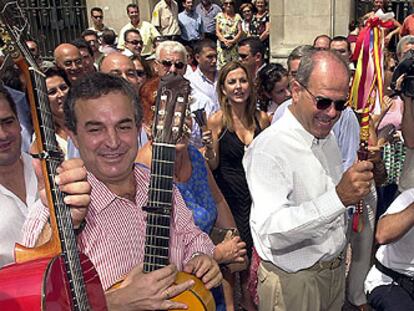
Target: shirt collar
<point>298,128</point>
<point>204,77</point>
<point>102,196</point>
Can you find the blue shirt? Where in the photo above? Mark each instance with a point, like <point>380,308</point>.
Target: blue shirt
<point>208,17</point>
<point>191,25</point>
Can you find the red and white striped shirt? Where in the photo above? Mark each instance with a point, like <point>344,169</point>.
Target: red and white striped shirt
<point>114,236</point>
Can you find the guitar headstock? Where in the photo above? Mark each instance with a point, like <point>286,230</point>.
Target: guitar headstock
<point>14,28</point>
<point>171,109</point>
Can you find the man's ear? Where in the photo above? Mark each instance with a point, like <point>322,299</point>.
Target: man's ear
<point>197,57</point>
<point>258,56</point>
<point>295,88</point>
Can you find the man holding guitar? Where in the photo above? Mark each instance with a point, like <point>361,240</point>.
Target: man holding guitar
<point>103,116</point>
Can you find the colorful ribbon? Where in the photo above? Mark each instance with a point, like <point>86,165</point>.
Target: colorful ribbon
<point>368,85</point>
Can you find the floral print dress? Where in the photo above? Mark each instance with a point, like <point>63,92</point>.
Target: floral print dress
<point>229,28</point>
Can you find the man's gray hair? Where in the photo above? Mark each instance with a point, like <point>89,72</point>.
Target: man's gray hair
<point>409,39</point>
<point>298,53</point>
<point>172,47</point>
<point>309,61</point>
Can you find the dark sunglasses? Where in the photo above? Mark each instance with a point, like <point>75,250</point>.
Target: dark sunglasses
<point>135,42</point>
<point>97,16</point>
<point>168,64</point>
<point>243,56</point>
<point>323,103</point>
<point>141,73</point>
<point>247,11</point>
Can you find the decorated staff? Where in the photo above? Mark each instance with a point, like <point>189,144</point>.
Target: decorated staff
<point>367,87</point>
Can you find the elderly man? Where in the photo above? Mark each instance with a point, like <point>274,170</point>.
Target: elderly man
<point>300,196</point>
<point>19,189</point>
<point>147,31</point>
<point>68,58</point>
<point>114,234</point>
<point>171,56</point>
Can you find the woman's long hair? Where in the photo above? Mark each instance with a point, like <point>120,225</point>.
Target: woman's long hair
<point>250,107</point>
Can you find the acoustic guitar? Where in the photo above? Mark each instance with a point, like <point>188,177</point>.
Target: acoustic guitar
<point>53,276</point>
<point>170,114</point>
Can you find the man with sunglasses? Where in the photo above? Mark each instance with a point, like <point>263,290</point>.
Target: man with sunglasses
<point>97,21</point>
<point>133,43</point>
<point>171,56</point>
<point>300,195</point>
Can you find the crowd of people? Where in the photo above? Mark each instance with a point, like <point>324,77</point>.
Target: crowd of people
<point>266,178</point>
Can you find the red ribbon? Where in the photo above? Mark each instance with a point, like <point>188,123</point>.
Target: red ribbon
<point>370,24</point>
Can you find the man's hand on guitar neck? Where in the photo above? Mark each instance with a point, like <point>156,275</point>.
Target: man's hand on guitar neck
<point>148,291</point>
<point>72,181</point>
<point>206,269</point>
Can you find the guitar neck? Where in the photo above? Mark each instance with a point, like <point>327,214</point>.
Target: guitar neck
<point>45,133</point>
<point>159,207</point>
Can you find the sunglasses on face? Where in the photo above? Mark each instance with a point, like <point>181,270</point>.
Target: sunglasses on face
<point>247,11</point>
<point>135,42</point>
<point>97,16</point>
<point>323,103</point>
<point>168,64</point>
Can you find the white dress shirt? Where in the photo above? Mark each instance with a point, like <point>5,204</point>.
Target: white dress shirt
<point>398,255</point>
<point>13,212</point>
<point>297,218</point>
<point>202,84</point>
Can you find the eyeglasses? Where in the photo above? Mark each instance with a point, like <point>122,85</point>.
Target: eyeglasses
<point>247,11</point>
<point>97,16</point>
<point>323,103</point>
<point>141,73</point>
<point>168,64</point>
<point>135,42</point>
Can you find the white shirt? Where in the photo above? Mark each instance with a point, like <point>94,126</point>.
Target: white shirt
<point>398,255</point>
<point>202,84</point>
<point>407,175</point>
<point>297,218</point>
<point>200,101</point>
<point>13,212</point>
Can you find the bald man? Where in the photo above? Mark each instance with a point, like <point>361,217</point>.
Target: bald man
<point>122,66</point>
<point>68,58</point>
